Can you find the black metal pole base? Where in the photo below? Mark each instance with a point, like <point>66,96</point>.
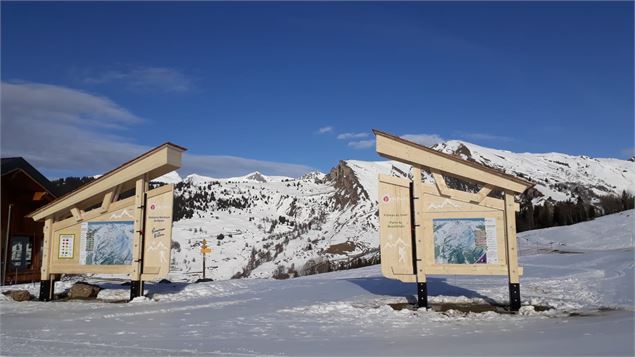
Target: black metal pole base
<point>46,290</point>
<point>136,288</point>
<point>422,295</point>
<point>514,297</point>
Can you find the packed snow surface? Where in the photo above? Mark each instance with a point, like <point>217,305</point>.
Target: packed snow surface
<point>585,272</point>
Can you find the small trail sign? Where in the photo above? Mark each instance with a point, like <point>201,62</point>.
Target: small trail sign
<point>205,250</point>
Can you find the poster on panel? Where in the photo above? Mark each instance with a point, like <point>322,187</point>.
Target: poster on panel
<point>106,243</point>
<point>465,240</point>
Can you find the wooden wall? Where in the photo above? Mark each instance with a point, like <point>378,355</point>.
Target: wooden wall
<point>19,189</point>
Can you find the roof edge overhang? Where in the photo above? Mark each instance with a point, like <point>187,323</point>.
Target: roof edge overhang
<point>159,161</point>
<point>395,148</point>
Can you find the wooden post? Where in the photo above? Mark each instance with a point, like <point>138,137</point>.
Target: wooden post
<point>512,252</point>
<point>136,287</point>
<point>416,202</point>
<point>5,247</point>
<point>47,284</point>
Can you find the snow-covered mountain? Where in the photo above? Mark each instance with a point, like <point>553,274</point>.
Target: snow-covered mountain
<point>251,177</point>
<point>558,176</point>
<point>263,226</point>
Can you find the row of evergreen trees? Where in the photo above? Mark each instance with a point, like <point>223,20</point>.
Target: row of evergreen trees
<point>552,214</point>
<point>68,184</point>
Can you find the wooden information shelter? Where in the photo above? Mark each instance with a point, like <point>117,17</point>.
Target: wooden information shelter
<point>112,225</point>
<point>433,229</point>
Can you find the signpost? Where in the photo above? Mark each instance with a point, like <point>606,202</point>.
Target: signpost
<point>205,250</point>
<point>92,230</point>
<point>437,230</point>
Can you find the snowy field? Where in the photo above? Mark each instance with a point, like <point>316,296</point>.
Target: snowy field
<point>585,272</point>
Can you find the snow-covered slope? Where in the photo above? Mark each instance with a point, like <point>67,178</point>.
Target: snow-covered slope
<point>558,176</point>
<point>605,233</point>
<point>171,177</point>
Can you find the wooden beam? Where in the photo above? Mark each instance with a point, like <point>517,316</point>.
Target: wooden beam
<point>439,180</point>
<point>485,190</point>
<point>396,148</point>
<point>465,197</point>
<point>107,200</point>
<point>77,214</point>
<point>159,161</point>
<point>393,180</point>
<point>141,187</point>
<point>115,196</point>
<point>512,243</point>
<point>46,249</point>
<point>419,227</point>
<point>474,269</point>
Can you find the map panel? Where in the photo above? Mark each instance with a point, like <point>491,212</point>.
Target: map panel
<point>465,240</point>
<point>106,243</point>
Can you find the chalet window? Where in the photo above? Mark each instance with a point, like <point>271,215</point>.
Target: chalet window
<point>21,252</point>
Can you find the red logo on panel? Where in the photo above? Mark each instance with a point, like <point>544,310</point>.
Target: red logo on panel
<point>386,198</point>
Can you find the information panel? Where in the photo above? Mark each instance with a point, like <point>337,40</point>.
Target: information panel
<point>106,243</point>
<point>158,233</point>
<point>465,240</point>
<point>67,244</point>
<point>395,223</point>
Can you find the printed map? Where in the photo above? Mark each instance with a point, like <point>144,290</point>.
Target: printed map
<point>461,240</point>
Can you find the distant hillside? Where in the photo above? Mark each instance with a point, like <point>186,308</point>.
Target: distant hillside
<point>68,184</point>
<point>264,226</point>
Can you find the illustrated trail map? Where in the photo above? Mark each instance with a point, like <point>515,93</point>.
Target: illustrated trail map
<point>465,240</point>
<point>106,243</point>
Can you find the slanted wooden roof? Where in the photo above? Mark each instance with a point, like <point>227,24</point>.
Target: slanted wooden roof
<point>155,163</point>
<point>396,148</point>
<point>13,164</point>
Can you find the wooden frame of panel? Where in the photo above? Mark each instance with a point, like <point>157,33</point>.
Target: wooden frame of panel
<point>66,214</point>
<point>438,201</point>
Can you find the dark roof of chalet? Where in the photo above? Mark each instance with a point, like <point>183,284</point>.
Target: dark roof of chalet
<point>11,164</point>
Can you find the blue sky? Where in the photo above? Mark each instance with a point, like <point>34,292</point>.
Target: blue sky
<point>248,86</point>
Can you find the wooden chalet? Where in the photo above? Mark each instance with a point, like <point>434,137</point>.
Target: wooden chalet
<point>24,189</point>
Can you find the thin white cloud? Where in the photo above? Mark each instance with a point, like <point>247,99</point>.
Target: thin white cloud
<point>325,129</point>
<point>484,136</point>
<point>58,128</point>
<point>362,144</point>
<point>63,131</point>
<point>140,78</point>
<point>347,136</point>
<point>230,166</point>
<point>423,139</point>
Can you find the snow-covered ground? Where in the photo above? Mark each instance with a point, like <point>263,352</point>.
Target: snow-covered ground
<point>584,271</point>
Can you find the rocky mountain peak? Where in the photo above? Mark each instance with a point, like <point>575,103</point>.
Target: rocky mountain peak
<point>256,176</point>
<point>348,189</point>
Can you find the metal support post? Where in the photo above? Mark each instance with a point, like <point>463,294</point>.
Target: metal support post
<point>422,295</point>
<point>47,287</point>
<point>514,297</point>
<point>136,288</point>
